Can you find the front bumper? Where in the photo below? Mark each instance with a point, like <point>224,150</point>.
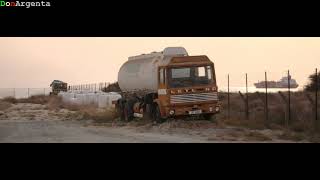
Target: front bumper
<point>185,110</point>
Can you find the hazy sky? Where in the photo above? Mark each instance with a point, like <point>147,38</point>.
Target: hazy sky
<point>35,62</point>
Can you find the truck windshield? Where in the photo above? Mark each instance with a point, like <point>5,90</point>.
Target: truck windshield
<point>190,76</point>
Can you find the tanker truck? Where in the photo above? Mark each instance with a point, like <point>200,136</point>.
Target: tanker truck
<point>167,84</point>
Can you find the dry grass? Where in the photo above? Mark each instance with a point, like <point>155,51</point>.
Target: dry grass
<point>301,112</point>
<point>293,136</point>
<point>41,99</point>
<point>188,124</point>
<point>10,100</point>
<point>4,105</point>
<point>257,136</point>
<point>55,103</point>
<point>98,116</point>
<point>240,135</point>
<point>88,112</point>
<point>301,126</point>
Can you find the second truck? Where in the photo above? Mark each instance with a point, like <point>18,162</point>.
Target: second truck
<point>167,84</point>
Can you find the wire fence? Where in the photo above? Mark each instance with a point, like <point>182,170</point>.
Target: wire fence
<point>89,87</point>
<point>287,104</point>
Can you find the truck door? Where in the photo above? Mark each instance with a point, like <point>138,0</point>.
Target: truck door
<point>162,89</point>
<point>162,86</point>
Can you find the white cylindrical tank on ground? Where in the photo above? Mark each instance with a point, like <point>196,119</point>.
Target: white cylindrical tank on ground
<point>80,99</point>
<point>100,99</point>
<point>140,72</point>
<point>112,97</point>
<point>103,101</point>
<point>91,98</point>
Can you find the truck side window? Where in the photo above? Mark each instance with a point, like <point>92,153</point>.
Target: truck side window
<point>209,71</point>
<point>164,76</point>
<point>161,76</point>
<point>201,72</point>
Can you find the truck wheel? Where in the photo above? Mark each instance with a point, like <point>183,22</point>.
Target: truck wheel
<point>147,113</point>
<point>157,115</point>
<point>128,116</point>
<point>120,110</point>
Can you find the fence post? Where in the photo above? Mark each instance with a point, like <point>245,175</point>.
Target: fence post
<point>289,97</point>
<point>228,97</point>
<point>317,84</point>
<point>247,98</point>
<point>266,101</point>
<point>316,100</point>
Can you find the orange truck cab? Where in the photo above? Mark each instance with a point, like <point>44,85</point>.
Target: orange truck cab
<point>168,84</point>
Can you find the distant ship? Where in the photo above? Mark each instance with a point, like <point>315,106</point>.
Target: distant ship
<point>283,83</point>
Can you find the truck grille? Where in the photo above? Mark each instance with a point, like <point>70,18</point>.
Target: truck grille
<point>189,98</point>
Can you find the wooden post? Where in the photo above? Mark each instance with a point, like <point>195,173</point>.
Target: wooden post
<point>266,96</point>
<point>316,103</point>
<point>289,97</point>
<point>247,98</point>
<point>228,97</point>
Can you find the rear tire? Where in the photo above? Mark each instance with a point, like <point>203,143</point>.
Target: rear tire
<point>120,110</point>
<point>128,114</point>
<point>147,113</point>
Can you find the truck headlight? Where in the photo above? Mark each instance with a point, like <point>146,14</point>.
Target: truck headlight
<point>171,112</point>
<point>217,109</point>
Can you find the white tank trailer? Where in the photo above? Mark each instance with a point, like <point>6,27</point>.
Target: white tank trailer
<point>141,72</point>
<point>167,84</point>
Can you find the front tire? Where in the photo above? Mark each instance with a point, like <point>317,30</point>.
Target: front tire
<point>157,115</point>
<point>147,113</point>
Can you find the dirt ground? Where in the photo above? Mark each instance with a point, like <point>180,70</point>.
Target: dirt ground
<point>35,123</point>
